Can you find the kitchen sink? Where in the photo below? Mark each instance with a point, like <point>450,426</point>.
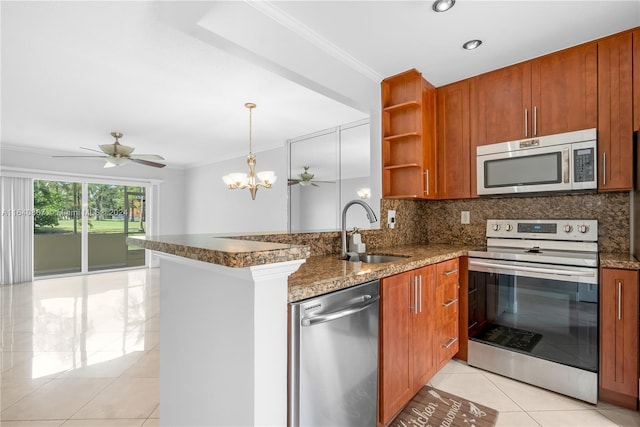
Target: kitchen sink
<point>378,259</point>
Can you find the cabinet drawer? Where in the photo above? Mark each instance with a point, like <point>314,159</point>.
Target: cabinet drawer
<point>447,344</point>
<point>448,271</point>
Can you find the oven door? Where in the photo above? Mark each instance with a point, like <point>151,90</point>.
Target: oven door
<point>544,311</point>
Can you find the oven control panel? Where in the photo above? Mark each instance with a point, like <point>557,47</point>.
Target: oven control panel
<point>547,229</point>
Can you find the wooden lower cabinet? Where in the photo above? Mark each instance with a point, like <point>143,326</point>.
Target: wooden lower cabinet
<point>411,351</point>
<point>406,338</point>
<point>446,311</point>
<point>619,337</point>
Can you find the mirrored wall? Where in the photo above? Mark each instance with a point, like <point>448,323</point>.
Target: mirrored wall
<point>326,170</point>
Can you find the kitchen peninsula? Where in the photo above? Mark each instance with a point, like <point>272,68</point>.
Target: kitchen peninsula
<point>224,341</point>
<point>224,310</point>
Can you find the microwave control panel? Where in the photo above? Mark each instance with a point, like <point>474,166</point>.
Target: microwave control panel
<point>583,165</point>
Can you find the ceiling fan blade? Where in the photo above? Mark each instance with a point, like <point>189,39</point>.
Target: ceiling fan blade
<point>91,149</point>
<point>294,181</point>
<point>146,157</point>
<point>314,184</point>
<point>101,157</point>
<point>147,163</point>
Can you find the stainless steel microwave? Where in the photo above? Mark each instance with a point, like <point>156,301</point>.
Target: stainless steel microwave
<point>562,162</point>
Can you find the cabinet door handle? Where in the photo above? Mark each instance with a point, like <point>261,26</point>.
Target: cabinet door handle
<point>426,181</point>
<point>604,168</point>
<point>535,121</point>
<point>450,272</point>
<point>450,302</point>
<point>414,306</point>
<point>472,325</point>
<point>619,300</point>
<point>526,123</point>
<point>420,293</point>
<point>451,342</point>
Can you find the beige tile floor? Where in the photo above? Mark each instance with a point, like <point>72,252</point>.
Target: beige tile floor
<point>83,352</point>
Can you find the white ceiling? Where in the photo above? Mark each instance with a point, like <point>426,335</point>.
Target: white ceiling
<point>174,76</point>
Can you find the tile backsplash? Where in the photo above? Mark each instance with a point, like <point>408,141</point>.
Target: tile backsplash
<point>438,221</point>
<point>612,210</point>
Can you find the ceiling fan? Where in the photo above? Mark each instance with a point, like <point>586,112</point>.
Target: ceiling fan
<point>306,179</point>
<point>117,154</point>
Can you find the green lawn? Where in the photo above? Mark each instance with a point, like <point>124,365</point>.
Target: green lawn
<point>95,226</point>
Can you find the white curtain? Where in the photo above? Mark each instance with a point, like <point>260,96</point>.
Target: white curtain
<point>16,230</point>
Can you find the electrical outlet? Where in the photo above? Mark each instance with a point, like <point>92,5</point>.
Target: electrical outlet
<point>391,219</point>
<point>465,217</point>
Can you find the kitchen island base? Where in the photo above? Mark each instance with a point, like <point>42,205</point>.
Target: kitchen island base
<point>223,351</point>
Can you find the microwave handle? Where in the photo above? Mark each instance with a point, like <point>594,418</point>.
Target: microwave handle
<point>565,165</point>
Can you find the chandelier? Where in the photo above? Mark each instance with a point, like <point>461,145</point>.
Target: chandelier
<point>242,180</point>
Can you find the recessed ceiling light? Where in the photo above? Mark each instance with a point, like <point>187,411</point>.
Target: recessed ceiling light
<point>472,44</point>
<point>443,5</point>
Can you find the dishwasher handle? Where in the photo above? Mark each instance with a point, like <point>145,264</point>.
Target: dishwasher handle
<point>365,301</point>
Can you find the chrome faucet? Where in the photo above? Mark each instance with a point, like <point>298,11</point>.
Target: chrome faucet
<point>370,214</point>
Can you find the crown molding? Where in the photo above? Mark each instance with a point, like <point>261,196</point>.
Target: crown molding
<point>289,22</point>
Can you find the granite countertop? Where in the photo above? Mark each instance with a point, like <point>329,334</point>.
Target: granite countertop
<point>328,273</point>
<point>215,249</point>
<point>619,260</point>
<point>319,274</point>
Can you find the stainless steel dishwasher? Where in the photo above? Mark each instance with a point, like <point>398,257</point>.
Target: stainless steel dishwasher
<point>333,358</point>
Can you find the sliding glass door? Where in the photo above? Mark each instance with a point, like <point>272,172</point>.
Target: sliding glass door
<point>81,226</point>
<point>57,240</point>
<point>115,212</point>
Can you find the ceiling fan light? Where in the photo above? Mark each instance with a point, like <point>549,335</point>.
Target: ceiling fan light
<point>443,5</point>
<point>472,44</point>
<point>109,149</point>
<point>116,161</point>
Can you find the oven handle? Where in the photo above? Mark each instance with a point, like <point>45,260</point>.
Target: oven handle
<point>569,273</point>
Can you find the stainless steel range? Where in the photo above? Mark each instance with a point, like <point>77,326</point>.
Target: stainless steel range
<point>533,304</point>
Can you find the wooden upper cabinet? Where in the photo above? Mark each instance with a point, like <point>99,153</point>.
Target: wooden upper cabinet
<point>500,101</point>
<point>564,91</point>
<point>615,112</point>
<point>552,94</point>
<point>636,80</point>
<point>408,137</point>
<point>454,155</point>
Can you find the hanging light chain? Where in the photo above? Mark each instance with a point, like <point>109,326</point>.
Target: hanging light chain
<point>250,106</point>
